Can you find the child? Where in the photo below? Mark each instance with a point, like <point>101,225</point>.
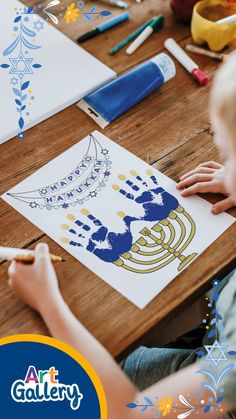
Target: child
<point>169,372</point>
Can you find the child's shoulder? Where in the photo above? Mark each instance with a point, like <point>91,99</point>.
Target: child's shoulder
<point>227,290</point>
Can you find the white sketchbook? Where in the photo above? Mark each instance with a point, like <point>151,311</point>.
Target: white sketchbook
<point>120,217</point>
<point>67,72</point>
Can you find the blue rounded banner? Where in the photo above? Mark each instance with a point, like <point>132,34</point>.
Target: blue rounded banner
<point>43,377</point>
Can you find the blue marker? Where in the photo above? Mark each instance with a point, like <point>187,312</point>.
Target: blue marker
<point>105,26</point>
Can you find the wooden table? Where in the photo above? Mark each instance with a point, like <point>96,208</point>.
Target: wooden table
<point>171,131</point>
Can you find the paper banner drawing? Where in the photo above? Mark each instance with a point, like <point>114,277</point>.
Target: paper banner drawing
<point>122,219</point>
<point>71,190</point>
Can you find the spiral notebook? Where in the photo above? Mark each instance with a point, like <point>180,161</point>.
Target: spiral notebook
<point>54,71</point>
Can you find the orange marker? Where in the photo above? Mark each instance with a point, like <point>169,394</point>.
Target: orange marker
<point>23,255</point>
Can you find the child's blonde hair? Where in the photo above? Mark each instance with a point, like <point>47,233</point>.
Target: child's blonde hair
<point>223,97</point>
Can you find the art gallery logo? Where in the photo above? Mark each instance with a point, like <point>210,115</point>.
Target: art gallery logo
<point>45,386</point>
<point>42,377</point>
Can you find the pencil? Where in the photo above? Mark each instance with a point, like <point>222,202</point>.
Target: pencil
<point>23,255</point>
<point>202,51</point>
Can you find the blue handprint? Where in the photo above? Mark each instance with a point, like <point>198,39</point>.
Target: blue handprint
<point>108,245</point>
<point>153,210</point>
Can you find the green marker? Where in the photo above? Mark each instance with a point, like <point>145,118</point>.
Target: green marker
<point>154,26</point>
<point>129,38</point>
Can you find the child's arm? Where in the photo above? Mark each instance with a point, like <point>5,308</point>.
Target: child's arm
<point>37,285</point>
<point>208,177</point>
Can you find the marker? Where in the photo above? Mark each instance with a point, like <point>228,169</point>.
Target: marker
<point>201,51</point>
<point>119,3</point>
<point>153,26</point>
<point>129,38</point>
<point>172,46</point>
<point>229,19</point>
<point>22,255</point>
<point>104,26</point>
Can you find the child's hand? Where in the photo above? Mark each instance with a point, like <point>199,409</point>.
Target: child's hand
<point>35,284</point>
<point>207,177</point>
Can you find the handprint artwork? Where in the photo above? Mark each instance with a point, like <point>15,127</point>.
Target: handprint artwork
<point>118,216</point>
<point>120,248</point>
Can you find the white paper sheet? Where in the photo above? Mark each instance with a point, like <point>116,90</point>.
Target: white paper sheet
<point>113,213</point>
<point>68,72</point>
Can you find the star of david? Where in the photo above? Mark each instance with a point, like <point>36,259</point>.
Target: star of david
<point>65,206</point>
<point>38,25</point>
<point>14,81</point>
<point>93,194</point>
<point>43,191</point>
<point>33,204</point>
<point>21,66</point>
<point>216,353</point>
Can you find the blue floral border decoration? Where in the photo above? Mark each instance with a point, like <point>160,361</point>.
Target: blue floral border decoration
<point>21,65</point>
<point>213,355</point>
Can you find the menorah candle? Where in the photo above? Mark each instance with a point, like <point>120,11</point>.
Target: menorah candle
<point>115,98</point>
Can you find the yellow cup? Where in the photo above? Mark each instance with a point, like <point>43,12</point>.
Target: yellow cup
<point>204,27</point>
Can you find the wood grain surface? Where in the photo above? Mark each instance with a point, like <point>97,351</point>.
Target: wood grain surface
<point>171,131</point>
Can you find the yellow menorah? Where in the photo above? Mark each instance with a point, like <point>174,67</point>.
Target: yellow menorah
<point>160,250</point>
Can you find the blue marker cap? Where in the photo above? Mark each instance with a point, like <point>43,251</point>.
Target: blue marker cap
<point>113,22</point>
